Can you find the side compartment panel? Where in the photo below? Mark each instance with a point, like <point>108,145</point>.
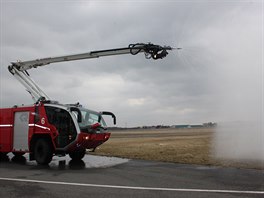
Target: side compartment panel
<point>6,130</point>
<point>20,141</point>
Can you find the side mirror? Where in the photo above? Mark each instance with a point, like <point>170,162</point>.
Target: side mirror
<point>111,114</point>
<point>78,111</point>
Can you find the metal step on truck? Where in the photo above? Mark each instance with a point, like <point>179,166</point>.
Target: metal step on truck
<point>47,128</point>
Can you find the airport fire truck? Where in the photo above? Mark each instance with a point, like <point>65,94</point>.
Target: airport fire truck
<point>49,128</point>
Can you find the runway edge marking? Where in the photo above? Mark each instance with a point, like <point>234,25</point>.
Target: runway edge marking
<point>133,187</point>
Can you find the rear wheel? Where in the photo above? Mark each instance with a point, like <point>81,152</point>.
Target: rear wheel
<point>77,155</point>
<point>3,155</point>
<point>43,151</point>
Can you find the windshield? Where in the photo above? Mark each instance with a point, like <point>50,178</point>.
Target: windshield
<point>90,118</point>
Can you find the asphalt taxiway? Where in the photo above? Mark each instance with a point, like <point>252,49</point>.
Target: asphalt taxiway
<point>116,177</point>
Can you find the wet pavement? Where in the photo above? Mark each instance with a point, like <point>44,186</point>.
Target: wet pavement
<point>116,177</point>
<point>65,162</point>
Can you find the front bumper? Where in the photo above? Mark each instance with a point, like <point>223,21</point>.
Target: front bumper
<point>89,140</point>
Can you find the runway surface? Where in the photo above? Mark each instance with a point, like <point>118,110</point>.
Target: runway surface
<point>115,177</point>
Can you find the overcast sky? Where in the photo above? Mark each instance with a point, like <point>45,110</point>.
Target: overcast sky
<point>217,76</point>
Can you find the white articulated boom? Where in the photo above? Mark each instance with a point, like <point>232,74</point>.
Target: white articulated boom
<point>19,69</point>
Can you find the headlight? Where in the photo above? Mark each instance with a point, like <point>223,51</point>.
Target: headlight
<point>86,138</point>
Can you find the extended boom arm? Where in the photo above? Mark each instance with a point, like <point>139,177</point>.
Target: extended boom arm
<point>19,69</point>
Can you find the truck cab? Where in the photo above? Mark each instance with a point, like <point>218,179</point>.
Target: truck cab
<point>77,126</point>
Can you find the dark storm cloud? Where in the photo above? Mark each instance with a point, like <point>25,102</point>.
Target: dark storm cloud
<point>175,88</point>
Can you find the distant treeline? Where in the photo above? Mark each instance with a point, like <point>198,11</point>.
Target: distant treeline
<point>204,125</point>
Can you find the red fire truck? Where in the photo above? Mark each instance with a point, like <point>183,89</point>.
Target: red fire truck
<point>49,128</point>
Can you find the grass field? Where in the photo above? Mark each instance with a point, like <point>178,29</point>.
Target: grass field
<point>190,146</point>
<point>168,145</point>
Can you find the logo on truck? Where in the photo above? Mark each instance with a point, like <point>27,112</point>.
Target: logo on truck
<point>24,117</point>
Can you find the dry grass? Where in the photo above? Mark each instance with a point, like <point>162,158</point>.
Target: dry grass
<point>168,145</point>
<point>190,146</point>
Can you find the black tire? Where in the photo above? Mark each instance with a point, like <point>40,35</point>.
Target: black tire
<point>3,157</point>
<point>3,154</point>
<point>43,151</point>
<point>77,155</point>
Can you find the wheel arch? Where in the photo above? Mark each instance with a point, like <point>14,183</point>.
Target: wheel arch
<point>35,137</point>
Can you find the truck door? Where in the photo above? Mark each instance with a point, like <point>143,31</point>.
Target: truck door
<point>63,122</point>
<point>20,138</point>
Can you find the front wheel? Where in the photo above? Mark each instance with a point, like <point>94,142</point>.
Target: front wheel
<point>77,155</point>
<point>43,151</point>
